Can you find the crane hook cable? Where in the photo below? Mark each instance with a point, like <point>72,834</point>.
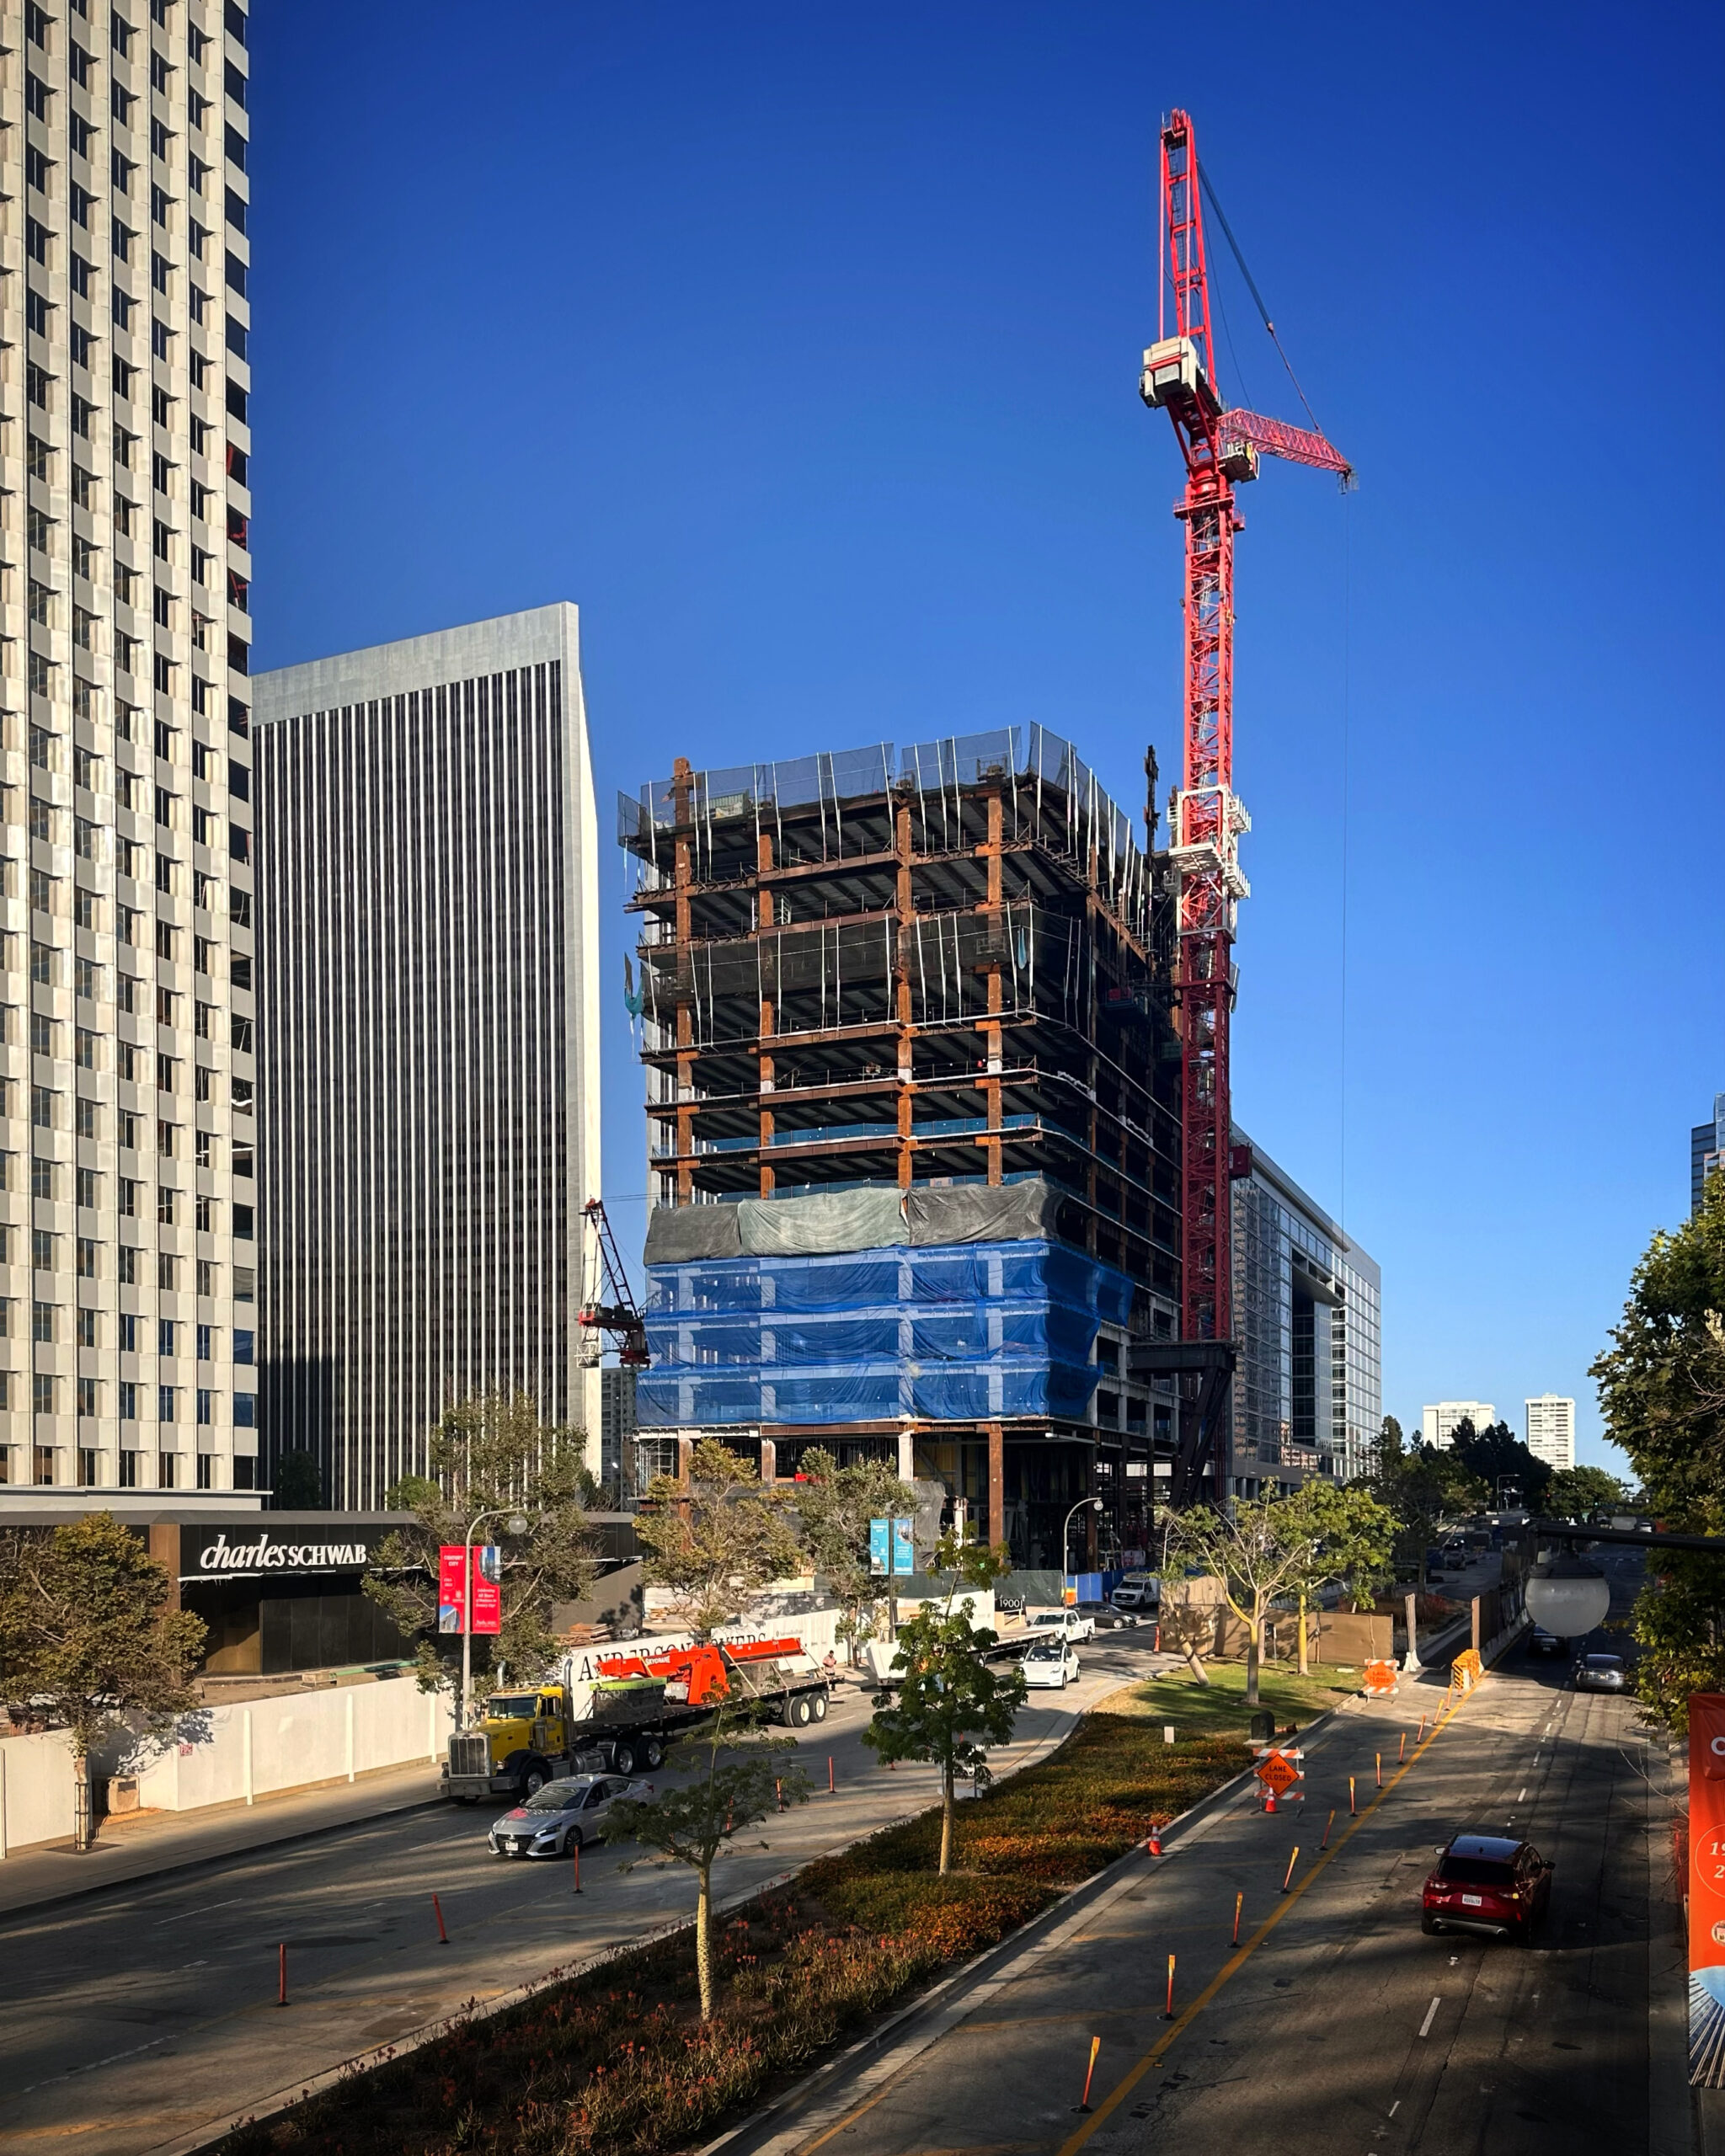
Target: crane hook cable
<point>1252,286</point>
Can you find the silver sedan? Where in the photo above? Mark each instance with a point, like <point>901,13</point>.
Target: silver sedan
<point>1600,1672</point>
<point>562,1815</point>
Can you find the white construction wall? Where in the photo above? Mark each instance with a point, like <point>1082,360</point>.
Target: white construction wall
<point>231,1754</point>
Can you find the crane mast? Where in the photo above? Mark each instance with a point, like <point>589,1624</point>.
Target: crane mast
<point>1220,449</point>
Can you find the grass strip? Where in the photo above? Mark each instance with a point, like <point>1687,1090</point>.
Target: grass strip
<point>616,2063</point>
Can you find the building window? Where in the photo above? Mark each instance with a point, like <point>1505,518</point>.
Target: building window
<point>244,1346</point>
<point>128,1467</point>
<point>166,1464</point>
<point>206,1216</point>
<point>128,1265</point>
<point>88,1322</point>
<point>243,1225</point>
<point>164,1270</point>
<point>42,1322</point>
<point>42,1398</point>
<point>164,1403</point>
<point>42,1250</point>
<point>128,1402</point>
<point>206,1471</point>
<point>206,1407</point>
<point>45,1454</point>
<point>245,1411</point>
<point>128,1333</point>
<point>164,1336</point>
<point>88,1467</point>
<point>87,1399</point>
<point>88,1265</point>
<point>207,1333</point>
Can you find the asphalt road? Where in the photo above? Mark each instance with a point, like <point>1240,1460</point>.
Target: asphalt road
<point>1337,2029</point>
<point>139,2021</point>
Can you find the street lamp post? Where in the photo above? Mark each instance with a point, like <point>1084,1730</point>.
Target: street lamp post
<point>1093,1504</point>
<point>517,1525</point>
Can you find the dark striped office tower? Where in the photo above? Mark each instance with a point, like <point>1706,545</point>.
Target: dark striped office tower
<point>429,1093</point>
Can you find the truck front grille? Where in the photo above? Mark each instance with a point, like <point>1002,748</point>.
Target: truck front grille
<point>469,1754</point>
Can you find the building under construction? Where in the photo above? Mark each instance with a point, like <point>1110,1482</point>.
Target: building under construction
<point>913,1098</point>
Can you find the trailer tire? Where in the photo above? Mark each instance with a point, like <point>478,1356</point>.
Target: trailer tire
<point>799,1711</point>
<point>817,1706</point>
<point>622,1756</point>
<point>653,1756</point>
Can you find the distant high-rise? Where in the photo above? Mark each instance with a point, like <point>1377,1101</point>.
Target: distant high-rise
<point>1551,1430</point>
<point>1439,1422</point>
<point>1706,1151</point>
<point>428,910</point>
<point>126,1234</point>
<point>619,1421</point>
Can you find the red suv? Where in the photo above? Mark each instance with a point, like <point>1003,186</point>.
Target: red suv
<point>1484,1882</point>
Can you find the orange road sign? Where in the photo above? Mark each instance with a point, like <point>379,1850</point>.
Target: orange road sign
<point>1278,1773</point>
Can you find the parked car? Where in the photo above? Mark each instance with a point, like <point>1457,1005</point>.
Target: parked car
<point>1137,1594</point>
<point>1049,1665</point>
<point>1600,1672</point>
<point>1107,1619</point>
<point>1071,1624</point>
<point>563,1812</point>
<point>1486,1882</point>
<point>1541,1642</point>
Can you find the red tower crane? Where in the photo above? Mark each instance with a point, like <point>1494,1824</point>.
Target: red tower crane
<point>1222,449</point>
<point>608,1307</point>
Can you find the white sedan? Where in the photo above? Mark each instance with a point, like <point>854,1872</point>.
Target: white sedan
<point>1064,1623</point>
<point>1049,1665</point>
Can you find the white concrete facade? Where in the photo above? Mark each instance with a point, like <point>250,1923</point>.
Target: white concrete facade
<point>127,1147</point>
<point>1551,1430</point>
<point>1438,1422</point>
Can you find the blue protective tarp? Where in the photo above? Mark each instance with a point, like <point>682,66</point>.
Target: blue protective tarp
<point>966,1332</point>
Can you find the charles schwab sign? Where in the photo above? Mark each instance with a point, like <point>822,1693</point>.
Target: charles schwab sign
<point>211,1553</point>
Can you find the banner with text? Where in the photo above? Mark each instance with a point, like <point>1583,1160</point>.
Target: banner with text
<point>1707,1891</point>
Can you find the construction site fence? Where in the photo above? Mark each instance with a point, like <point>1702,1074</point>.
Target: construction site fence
<point>978,1331</point>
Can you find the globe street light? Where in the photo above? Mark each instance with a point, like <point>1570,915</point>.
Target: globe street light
<point>1568,1596</point>
<point>517,1525</point>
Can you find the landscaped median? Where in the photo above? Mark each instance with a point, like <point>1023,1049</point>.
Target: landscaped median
<point>616,2062</point>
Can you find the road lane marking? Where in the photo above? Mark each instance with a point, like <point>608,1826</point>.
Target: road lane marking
<point>1394,2107</point>
<point>1521,1794</point>
<point>112,2059</point>
<point>1431,2015</point>
<point>199,1912</point>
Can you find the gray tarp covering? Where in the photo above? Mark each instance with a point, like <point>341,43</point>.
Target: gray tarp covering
<point>676,1234</point>
<point>972,1213</point>
<point>811,1227</point>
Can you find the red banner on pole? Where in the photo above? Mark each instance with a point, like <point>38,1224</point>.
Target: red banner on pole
<point>451,1588</point>
<point>487,1588</point>
<point>1707,1891</point>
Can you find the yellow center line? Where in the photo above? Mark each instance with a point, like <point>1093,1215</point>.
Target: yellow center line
<point>1123,2088</point>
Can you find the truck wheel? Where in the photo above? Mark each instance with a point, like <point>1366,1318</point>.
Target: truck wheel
<point>817,1706</point>
<point>801,1713</point>
<point>534,1777</point>
<point>653,1756</point>
<point>622,1756</point>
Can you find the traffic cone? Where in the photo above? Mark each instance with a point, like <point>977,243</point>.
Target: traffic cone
<point>1269,1799</point>
<point>1156,1841</point>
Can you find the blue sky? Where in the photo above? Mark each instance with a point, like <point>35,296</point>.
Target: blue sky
<point>798,346</point>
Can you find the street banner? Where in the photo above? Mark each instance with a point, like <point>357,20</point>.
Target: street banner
<point>487,1588</point>
<point>1707,1891</point>
<point>904,1548</point>
<point>880,1537</point>
<point>451,1588</point>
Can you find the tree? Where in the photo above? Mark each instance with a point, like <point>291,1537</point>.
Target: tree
<point>1661,1386</point>
<point>741,1777</point>
<point>1254,1553</point>
<point>949,1695</point>
<point>86,1630</point>
<point>835,1505</point>
<point>491,1454</point>
<point>1574,1492</point>
<point>718,1539</point>
<point>297,1483</point>
<point>1422,1487</point>
<point>1350,1539</point>
<point>1496,1455</point>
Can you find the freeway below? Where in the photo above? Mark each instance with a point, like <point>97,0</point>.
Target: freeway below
<point>145,2017</point>
<point>1337,2028</point>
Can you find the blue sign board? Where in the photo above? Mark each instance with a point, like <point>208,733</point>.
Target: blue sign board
<point>904,1548</point>
<point>880,1546</point>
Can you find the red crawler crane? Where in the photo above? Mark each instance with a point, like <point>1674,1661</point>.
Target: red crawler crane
<point>1221,450</point>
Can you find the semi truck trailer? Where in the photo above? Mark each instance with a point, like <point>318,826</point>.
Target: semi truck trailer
<point>616,1710</point>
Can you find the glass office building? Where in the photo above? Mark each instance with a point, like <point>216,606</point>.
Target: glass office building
<point>1308,1391</point>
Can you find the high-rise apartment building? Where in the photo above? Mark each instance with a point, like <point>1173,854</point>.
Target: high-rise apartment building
<point>1706,1151</point>
<point>428,956</point>
<point>1551,1430</point>
<point>126,1217</point>
<point>1438,1422</point>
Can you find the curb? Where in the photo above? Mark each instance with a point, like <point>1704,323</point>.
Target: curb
<point>204,1863</point>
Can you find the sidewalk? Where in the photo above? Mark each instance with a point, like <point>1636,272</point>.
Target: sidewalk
<point>156,1843</point>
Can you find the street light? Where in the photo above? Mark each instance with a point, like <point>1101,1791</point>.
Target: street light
<point>517,1525</point>
<point>1095,1506</point>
